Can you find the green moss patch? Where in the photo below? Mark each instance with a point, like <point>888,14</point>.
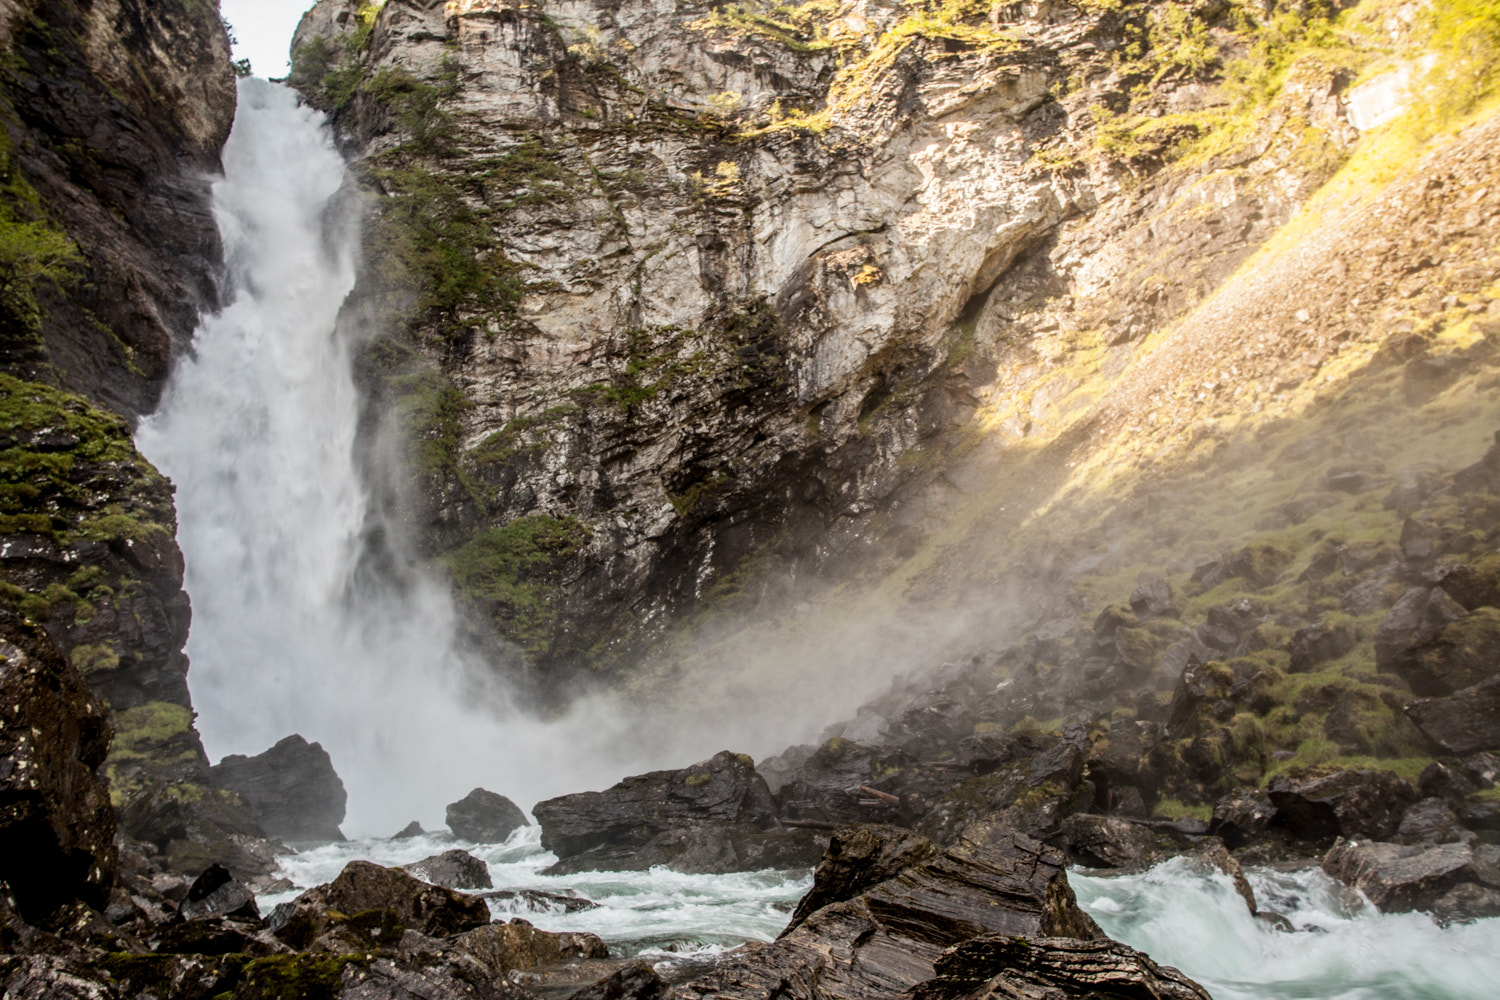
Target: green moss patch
<point>513,572</point>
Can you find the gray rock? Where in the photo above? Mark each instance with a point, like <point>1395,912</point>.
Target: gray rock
<point>1104,841</point>
<point>217,894</point>
<point>636,981</point>
<point>485,817</point>
<point>1466,723</point>
<point>1399,878</point>
<point>1242,816</point>
<point>1417,619</point>
<point>716,816</point>
<point>1431,821</point>
<point>293,788</point>
<point>453,869</point>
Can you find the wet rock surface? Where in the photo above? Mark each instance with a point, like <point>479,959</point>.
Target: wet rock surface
<point>1454,881</point>
<point>293,788</point>
<point>453,870</point>
<point>911,931</point>
<point>716,816</point>
<point>485,817</point>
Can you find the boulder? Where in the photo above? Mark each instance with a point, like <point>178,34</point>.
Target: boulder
<point>57,826</point>
<point>485,817</point>
<point>1463,653</point>
<point>1416,620</point>
<point>362,886</point>
<point>503,947</point>
<point>1398,878</point>
<point>1317,644</point>
<point>716,816</point>
<point>901,935</point>
<point>860,858</point>
<point>292,786</point>
<point>1104,841</point>
<point>1320,805</point>
<point>636,981</point>
<point>1471,589</point>
<point>453,869</point>
<point>215,893</point>
<point>1431,821</point>
<point>1153,598</point>
<point>1467,901</point>
<point>1002,967</point>
<point>1466,723</point>
<point>1483,474</point>
<point>1241,817</point>
<point>410,830</point>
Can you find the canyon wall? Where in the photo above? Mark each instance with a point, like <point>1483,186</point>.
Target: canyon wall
<point>114,112</point>
<point>695,306</point>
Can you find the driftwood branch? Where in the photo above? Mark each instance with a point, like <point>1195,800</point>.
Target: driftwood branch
<point>886,797</point>
<point>809,824</point>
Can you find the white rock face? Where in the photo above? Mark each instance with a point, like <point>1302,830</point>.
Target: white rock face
<point>730,326</point>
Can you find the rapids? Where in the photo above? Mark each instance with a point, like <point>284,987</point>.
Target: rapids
<point>1342,948</point>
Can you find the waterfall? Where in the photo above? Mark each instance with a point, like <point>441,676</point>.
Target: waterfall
<point>257,428</point>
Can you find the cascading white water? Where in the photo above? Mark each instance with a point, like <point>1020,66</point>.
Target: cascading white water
<point>257,429</point>
<point>1340,948</point>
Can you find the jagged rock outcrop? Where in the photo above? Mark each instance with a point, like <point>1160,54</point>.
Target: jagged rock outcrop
<point>116,112</point>
<point>941,924</point>
<point>715,816</point>
<point>293,788</point>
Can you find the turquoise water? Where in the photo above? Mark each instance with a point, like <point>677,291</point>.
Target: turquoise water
<point>1342,948</point>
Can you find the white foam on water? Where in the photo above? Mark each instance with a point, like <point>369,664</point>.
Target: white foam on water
<point>1342,947</point>
<point>660,914</point>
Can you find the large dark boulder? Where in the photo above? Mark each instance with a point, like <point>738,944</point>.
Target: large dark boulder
<point>1319,806</point>
<point>1466,723</point>
<point>1104,841</point>
<point>635,981</point>
<point>485,817</point>
<point>453,869</point>
<point>896,937</point>
<point>57,826</point>
<point>716,816</point>
<point>293,788</point>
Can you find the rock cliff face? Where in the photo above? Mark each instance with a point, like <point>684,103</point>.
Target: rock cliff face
<point>114,112</point>
<point>689,296</point>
